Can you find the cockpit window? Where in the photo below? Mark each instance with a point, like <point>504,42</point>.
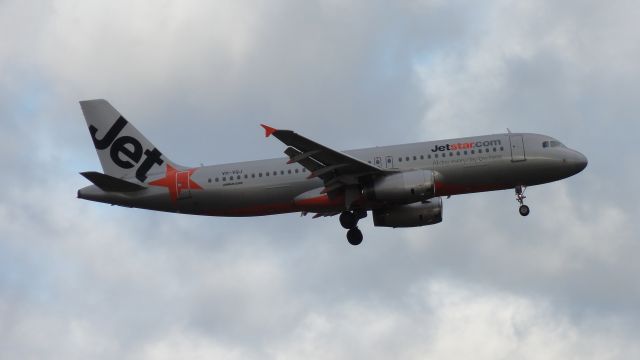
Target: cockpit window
<point>552,143</point>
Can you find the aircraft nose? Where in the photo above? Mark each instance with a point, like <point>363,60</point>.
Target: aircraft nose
<point>583,161</point>
<point>577,161</point>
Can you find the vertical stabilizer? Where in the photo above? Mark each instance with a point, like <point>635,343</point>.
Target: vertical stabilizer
<point>123,151</point>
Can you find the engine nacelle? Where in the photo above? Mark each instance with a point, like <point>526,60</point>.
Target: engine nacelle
<point>410,215</point>
<point>403,187</point>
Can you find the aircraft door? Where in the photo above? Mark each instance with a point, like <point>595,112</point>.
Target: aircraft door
<point>517,148</point>
<point>388,162</point>
<point>183,184</point>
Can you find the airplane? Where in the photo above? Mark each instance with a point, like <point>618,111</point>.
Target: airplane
<point>401,185</point>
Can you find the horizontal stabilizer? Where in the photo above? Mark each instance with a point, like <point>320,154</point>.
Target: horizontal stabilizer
<point>110,183</point>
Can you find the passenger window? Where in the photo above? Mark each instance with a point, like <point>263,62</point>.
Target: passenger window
<point>444,155</point>
<point>465,152</point>
<point>253,175</point>
<point>414,158</point>
<point>281,172</point>
<point>458,153</point>
<point>289,171</point>
<point>224,178</point>
<point>436,155</point>
<point>407,158</point>
<point>473,151</point>
<point>501,148</point>
<point>275,173</point>
<point>494,149</point>
<point>399,159</point>
<point>451,154</point>
<point>296,171</point>
<point>209,180</point>
<point>216,179</point>
<point>259,174</point>
<point>429,156</point>
<point>479,151</point>
<point>246,176</point>
<point>304,169</point>
<point>421,157</point>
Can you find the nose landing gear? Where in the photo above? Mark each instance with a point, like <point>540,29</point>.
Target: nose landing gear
<point>524,209</point>
<point>349,220</point>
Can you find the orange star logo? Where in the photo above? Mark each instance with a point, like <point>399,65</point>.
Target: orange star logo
<point>177,182</point>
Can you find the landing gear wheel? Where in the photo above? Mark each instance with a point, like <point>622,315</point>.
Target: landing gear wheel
<point>524,209</point>
<point>354,236</point>
<point>348,220</point>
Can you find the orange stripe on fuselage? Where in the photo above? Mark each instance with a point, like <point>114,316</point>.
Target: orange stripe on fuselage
<point>323,201</point>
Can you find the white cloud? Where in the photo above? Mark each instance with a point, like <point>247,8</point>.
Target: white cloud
<point>533,66</point>
<point>180,344</point>
<point>443,319</point>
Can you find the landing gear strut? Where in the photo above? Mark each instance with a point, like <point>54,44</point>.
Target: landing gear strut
<point>349,220</point>
<point>524,209</point>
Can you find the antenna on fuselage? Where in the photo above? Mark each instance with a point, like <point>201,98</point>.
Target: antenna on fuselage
<point>509,130</point>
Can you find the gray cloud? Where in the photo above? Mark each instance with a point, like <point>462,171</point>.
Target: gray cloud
<point>82,280</point>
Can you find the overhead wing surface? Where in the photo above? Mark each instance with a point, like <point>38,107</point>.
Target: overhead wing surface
<point>335,168</point>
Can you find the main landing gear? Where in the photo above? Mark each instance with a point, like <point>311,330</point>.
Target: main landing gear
<point>349,220</point>
<point>523,209</point>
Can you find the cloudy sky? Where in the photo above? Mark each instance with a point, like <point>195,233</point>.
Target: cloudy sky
<point>81,280</point>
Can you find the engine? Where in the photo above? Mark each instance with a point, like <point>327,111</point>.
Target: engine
<point>417,214</point>
<point>404,187</point>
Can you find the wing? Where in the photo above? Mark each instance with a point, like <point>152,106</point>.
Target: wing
<point>335,168</point>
